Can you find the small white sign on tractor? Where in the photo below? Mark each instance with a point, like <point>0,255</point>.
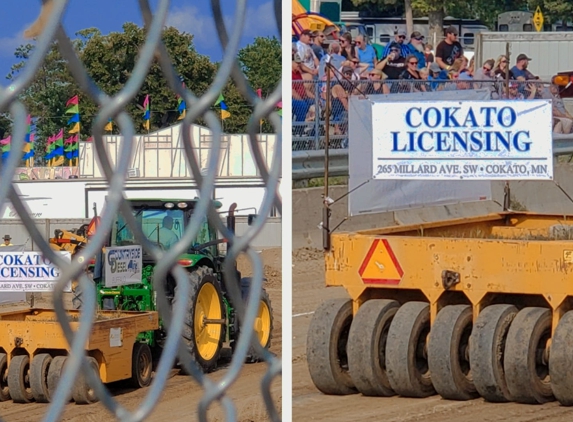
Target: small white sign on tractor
<point>123,265</point>
<point>449,140</point>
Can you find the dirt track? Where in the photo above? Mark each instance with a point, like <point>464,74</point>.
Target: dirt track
<point>310,404</point>
<point>182,394</point>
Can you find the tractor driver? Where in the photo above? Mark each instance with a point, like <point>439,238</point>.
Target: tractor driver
<point>166,235</point>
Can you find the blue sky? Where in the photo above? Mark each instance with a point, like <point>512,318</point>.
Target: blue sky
<point>109,15</point>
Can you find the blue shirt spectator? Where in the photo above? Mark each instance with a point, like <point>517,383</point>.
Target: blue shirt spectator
<point>366,53</point>
<point>416,46</point>
<point>520,68</point>
<point>399,41</point>
<point>437,74</point>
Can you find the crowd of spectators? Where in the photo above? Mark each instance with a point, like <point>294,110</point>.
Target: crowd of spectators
<point>406,65</point>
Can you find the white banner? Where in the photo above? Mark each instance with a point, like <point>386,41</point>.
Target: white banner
<point>123,265</point>
<point>448,140</point>
<point>28,272</point>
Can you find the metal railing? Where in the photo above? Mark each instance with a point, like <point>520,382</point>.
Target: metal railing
<point>309,104</point>
<point>47,29</point>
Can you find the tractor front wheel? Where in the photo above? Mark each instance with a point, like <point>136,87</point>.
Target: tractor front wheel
<point>204,328</point>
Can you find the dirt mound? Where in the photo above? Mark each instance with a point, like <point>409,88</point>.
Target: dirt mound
<point>307,254</point>
<point>272,266</point>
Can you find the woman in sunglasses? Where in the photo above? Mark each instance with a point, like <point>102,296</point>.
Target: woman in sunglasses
<point>411,74</point>
<point>348,50</point>
<point>501,68</point>
<point>375,84</point>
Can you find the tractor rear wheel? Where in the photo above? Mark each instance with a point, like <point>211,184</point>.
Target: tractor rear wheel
<point>263,327</point>
<point>203,329</point>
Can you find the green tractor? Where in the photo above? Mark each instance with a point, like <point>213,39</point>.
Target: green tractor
<point>123,274</point>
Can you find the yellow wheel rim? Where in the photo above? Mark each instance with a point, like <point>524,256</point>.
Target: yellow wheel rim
<point>207,336</point>
<point>263,324</point>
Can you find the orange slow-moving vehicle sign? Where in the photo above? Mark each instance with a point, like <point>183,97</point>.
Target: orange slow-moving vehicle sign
<point>380,265</point>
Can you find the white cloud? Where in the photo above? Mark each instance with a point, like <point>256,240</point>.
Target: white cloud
<point>8,45</point>
<point>259,21</point>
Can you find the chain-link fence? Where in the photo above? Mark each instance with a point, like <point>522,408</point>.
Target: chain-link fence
<point>309,103</point>
<point>46,30</point>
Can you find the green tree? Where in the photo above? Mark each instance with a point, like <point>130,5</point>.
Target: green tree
<point>5,125</point>
<point>556,10</point>
<point>262,64</point>
<point>110,60</point>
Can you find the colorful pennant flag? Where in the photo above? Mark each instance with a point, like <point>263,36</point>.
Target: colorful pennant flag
<point>73,100</point>
<point>221,98</point>
<point>72,148</point>
<point>5,143</point>
<point>29,145</point>
<point>55,147</point>
<point>75,129</point>
<point>109,126</point>
<point>224,109</point>
<point>181,105</point>
<point>146,113</point>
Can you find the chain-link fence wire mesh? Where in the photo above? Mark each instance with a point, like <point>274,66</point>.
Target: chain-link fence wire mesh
<point>309,103</point>
<point>47,29</point>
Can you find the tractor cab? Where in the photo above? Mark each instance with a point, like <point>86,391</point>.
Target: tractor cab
<point>163,222</point>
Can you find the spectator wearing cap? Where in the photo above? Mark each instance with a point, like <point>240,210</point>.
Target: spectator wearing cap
<point>399,42</point>
<point>520,68</point>
<point>464,81</point>
<point>366,55</point>
<point>393,64</point>
<point>416,46</point>
<point>352,65</point>
<point>437,74</point>
<point>7,240</point>
<point>309,63</point>
<point>449,49</point>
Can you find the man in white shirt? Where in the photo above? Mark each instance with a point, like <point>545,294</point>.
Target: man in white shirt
<point>309,64</point>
